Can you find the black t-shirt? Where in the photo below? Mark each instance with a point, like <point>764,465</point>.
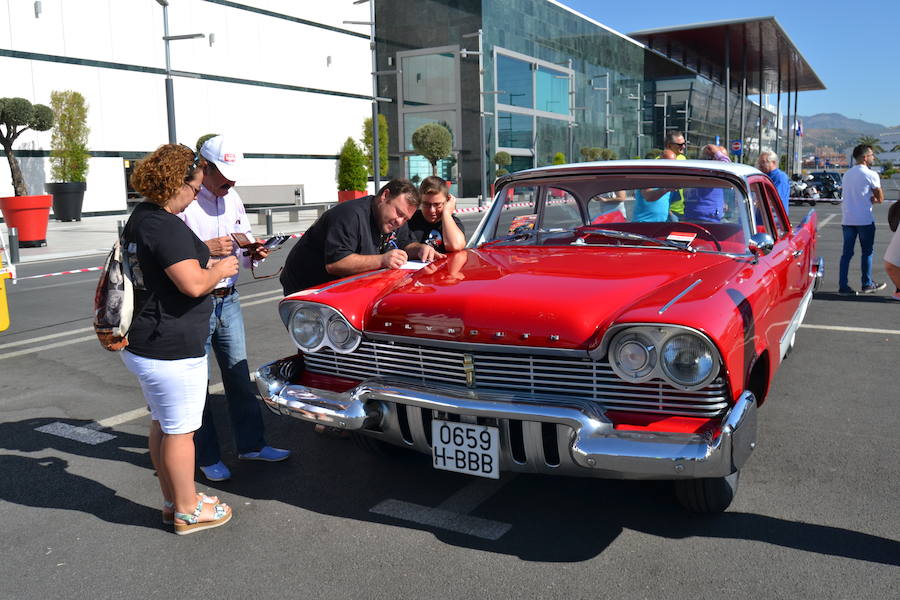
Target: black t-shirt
<point>430,233</point>
<point>348,228</point>
<point>167,325</point>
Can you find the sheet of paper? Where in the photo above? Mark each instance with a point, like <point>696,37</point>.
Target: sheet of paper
<point>414,265</point>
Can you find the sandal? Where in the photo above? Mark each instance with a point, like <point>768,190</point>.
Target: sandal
<point>192,522</point>
<point>168,509</point>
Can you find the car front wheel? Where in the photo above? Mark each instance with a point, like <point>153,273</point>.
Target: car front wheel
<point>712,495</point>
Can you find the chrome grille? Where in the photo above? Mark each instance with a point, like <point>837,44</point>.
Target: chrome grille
<point>526,374</point>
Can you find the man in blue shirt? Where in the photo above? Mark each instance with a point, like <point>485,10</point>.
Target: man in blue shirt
<point>768,164</point>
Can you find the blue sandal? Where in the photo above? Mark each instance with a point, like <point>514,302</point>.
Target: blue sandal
<point>192,522</point>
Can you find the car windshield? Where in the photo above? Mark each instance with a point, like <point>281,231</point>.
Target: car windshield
<point>669,212</point>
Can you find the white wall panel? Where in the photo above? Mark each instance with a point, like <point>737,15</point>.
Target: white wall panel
<point>105,186</point>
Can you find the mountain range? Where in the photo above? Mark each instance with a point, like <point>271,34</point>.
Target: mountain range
<point>838,131</point>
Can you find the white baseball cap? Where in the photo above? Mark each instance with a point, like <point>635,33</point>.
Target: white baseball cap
<point>220,152</point>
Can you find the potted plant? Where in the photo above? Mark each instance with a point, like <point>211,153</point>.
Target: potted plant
<point>434,142</point>
<point>502,159</point>
<point>352,175</point>
<point>28,214</point>
<point>382,145</point>
<point>68,154</point>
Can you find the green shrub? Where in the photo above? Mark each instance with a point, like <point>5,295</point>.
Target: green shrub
<point>558,159</point>
<point>352,174</point>
<point>382,145</point>
<point>68,145</point>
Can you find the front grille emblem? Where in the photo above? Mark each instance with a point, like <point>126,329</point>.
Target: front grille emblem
<point>469,368</point>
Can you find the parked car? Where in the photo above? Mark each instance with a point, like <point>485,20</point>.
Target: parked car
<point>559,345</point>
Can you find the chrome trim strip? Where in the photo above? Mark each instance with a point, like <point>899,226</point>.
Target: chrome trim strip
<point>596,449</point>
<point>679,296</point>
<point>476,347</point>
<point>348,280</point>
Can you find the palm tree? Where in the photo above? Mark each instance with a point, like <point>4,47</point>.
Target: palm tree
<point>896,148</point>
<point>868,140</point>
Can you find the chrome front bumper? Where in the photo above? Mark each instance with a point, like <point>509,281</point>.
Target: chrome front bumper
<point>589,445</point>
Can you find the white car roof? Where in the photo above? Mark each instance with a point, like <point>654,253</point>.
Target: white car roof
<point>705,165</point>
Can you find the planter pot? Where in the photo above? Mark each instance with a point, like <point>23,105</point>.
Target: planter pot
<point>28,214</point>
<point>67,199</point>
<point>344,195</point>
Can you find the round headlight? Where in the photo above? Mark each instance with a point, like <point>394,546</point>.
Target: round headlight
<point>341,336</point>
<point>308,328</point>
<point>688,360</point>
<point>633,356</point>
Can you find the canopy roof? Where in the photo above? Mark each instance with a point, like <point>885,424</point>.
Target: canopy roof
<point>769,53</point>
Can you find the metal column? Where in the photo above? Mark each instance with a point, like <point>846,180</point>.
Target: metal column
<point>743,89</point>
<point>759,139</point>
<point>727,86</point>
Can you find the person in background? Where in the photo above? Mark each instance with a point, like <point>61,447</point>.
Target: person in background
<point>357,236</point>
<point>676,143</point>
<point>171,324</point>
<point>217,213</point>
<point>434,223</point>
<point>653,205</point>
<point>706,205</point>
<point>768,164</point>
<point>862,189</point>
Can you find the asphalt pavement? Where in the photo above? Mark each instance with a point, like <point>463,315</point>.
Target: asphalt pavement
<point>816,515</point>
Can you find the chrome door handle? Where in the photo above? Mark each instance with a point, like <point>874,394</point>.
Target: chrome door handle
<point>797,253</point>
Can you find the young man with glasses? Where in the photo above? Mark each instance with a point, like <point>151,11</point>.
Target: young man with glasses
<point>862,189</point>
<point>214,216</point>
<point>434,223</point>
<point>676,142</point>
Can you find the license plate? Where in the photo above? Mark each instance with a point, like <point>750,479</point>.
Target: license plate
<point>466,448</point>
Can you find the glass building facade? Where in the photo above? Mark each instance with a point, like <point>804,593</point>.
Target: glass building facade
<point>552,81</point>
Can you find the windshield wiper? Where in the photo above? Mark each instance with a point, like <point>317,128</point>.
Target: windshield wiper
<point>521,235</point>
<point>625,235</point>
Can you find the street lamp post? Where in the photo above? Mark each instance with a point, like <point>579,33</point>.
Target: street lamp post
<point>607,104</point>
<point>376,141</point>
<point>640,116</point>
<point>170,90</point>
<point>481,113</point>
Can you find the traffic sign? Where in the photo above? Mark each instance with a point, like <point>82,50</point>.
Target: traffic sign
<point>736,147</point>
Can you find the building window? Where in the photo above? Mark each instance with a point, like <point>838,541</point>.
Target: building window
<point>412,121</point>
<point>514,79</point>
<point>515,130</point>
<point>429,79</point>
<point>552,88</point>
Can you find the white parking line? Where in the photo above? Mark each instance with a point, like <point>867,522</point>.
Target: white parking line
<point>84,435</point>
<point>269,297</point>
<point>852,329</point>
<point>130,415</point>
<point>826,221</point>
<point>452,513</point>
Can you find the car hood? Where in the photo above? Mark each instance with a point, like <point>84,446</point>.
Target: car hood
<point>547,297</point>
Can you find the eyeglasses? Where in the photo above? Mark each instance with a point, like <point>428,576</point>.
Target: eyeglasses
<point>196,190</point>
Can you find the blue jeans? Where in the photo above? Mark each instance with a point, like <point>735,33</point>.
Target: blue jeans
<point>866,235</point>
<point>226,338</point>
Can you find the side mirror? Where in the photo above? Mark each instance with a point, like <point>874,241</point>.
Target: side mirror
<point>761,244</point>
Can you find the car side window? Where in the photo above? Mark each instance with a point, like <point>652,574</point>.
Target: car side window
<point>519,210</point>
<point>759,211</point>
<point>560,210</point>
<point>773,201</point>
<point>608,207</point>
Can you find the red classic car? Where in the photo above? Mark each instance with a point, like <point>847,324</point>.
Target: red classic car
<point>566,342</point>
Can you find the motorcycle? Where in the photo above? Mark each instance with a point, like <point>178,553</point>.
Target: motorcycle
<point>831,189</point>
<point>803,191</point>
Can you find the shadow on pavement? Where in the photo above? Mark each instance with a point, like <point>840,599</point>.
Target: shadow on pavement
<point>832,296</point>
<point>554,519</point>
<point>45,483</point>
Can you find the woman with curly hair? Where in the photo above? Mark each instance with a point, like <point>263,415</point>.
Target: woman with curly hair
<point>166,341</point>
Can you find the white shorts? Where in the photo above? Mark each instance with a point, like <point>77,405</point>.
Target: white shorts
<point>175,390</point>
<point>893,250</point>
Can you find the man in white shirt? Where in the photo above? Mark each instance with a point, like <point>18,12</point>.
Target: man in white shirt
<point>862,189</point>
<point>214,216</point>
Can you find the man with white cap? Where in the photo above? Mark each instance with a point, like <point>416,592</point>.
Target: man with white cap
<point>214,216</point>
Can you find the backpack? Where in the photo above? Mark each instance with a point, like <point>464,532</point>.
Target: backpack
<point>114,297</point>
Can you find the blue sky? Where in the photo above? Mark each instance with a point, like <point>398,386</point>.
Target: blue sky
<point>850,45</point>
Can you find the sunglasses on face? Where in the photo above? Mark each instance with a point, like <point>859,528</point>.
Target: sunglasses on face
<point>194,164</point>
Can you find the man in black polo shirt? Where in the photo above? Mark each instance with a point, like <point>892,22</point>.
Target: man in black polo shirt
<point>356,236</point>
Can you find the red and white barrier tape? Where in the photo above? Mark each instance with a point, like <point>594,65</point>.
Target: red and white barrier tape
<point>59,273</point>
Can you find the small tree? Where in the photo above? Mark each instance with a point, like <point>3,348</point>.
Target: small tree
<point>502,160</point>
<point>590,154</point>
<point>869,140</point>
<point>434,142</point>
<point>16,116</point>
<point>382,145</point>
<point>559,159</point>
<point>351,175</point>
<point>654,153</point>
<point>608,154</point>
<point>68,145</point>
